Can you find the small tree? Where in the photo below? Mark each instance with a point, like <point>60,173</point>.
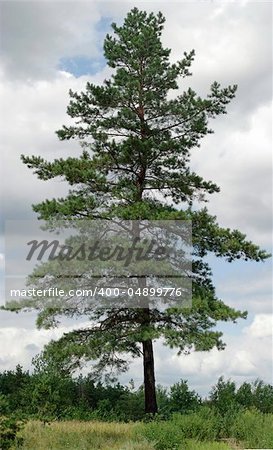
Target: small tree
<point>182,399</point>
<point>137,142</point>
<point>223,395</point>
<point>244,395</point>
<point>263,396</point>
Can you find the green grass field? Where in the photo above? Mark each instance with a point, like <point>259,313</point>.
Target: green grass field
<point>201,430</point>
<point>75,435</point>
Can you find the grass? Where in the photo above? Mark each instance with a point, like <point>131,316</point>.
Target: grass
<point>76,435</point>
<point>203,430</point>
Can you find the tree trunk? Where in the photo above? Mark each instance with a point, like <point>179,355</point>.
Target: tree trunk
<point>149,377</point>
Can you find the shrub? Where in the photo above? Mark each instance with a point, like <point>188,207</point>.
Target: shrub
<point>254,429</point>
<point>9,428</point>
<point>163,435</point>
<point>202,425</point>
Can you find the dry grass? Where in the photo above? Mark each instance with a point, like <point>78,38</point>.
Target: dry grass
<point>76,435</point>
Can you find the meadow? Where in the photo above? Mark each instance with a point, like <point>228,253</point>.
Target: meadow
<point>76,435</point>
<point>198,431</point>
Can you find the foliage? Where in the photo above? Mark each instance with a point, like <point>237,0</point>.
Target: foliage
<point>253,429</point>
<point>13,385</point>
<point>203,425</point>
<point>9,428</point>
<point>163,435</point>
<point>262,396</point>
<point>50,396</point>
<point>225,397</point>
<point>182,399</point>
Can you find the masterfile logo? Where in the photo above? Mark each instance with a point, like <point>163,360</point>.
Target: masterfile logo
<point>129,263</point>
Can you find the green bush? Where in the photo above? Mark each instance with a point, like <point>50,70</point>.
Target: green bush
<point>163,435</point>
<point>9,428</point>
<point>4,404</point>
<point>204,425</point>
<point>254,429</point>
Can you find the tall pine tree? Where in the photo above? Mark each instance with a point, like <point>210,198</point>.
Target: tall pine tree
<point>137,141</point>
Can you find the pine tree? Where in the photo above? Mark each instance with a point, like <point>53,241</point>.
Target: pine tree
<point>137,140</point>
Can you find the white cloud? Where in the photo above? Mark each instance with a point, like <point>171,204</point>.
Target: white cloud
<point>18,345</point>
<point>239,161</point>
<point>245,286</point>
<point>36,34</point>
<point>243,364</point>
<point>261,327</point>
<point>2,263</point>
<point>247,356</point>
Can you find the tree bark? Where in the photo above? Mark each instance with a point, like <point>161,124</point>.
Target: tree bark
<point>149,377</point>
<point>147,345</point>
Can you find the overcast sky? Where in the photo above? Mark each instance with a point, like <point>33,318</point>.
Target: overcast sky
<point>48,47</point>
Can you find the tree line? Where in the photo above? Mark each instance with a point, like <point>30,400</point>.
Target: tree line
<point>51,396</point>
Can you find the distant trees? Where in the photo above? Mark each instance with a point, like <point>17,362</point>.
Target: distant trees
<point>13,389</point>
<point>258,394</point>
<point>48,396</point>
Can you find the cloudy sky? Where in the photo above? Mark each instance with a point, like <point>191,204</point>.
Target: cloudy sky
<point>48,47</point>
